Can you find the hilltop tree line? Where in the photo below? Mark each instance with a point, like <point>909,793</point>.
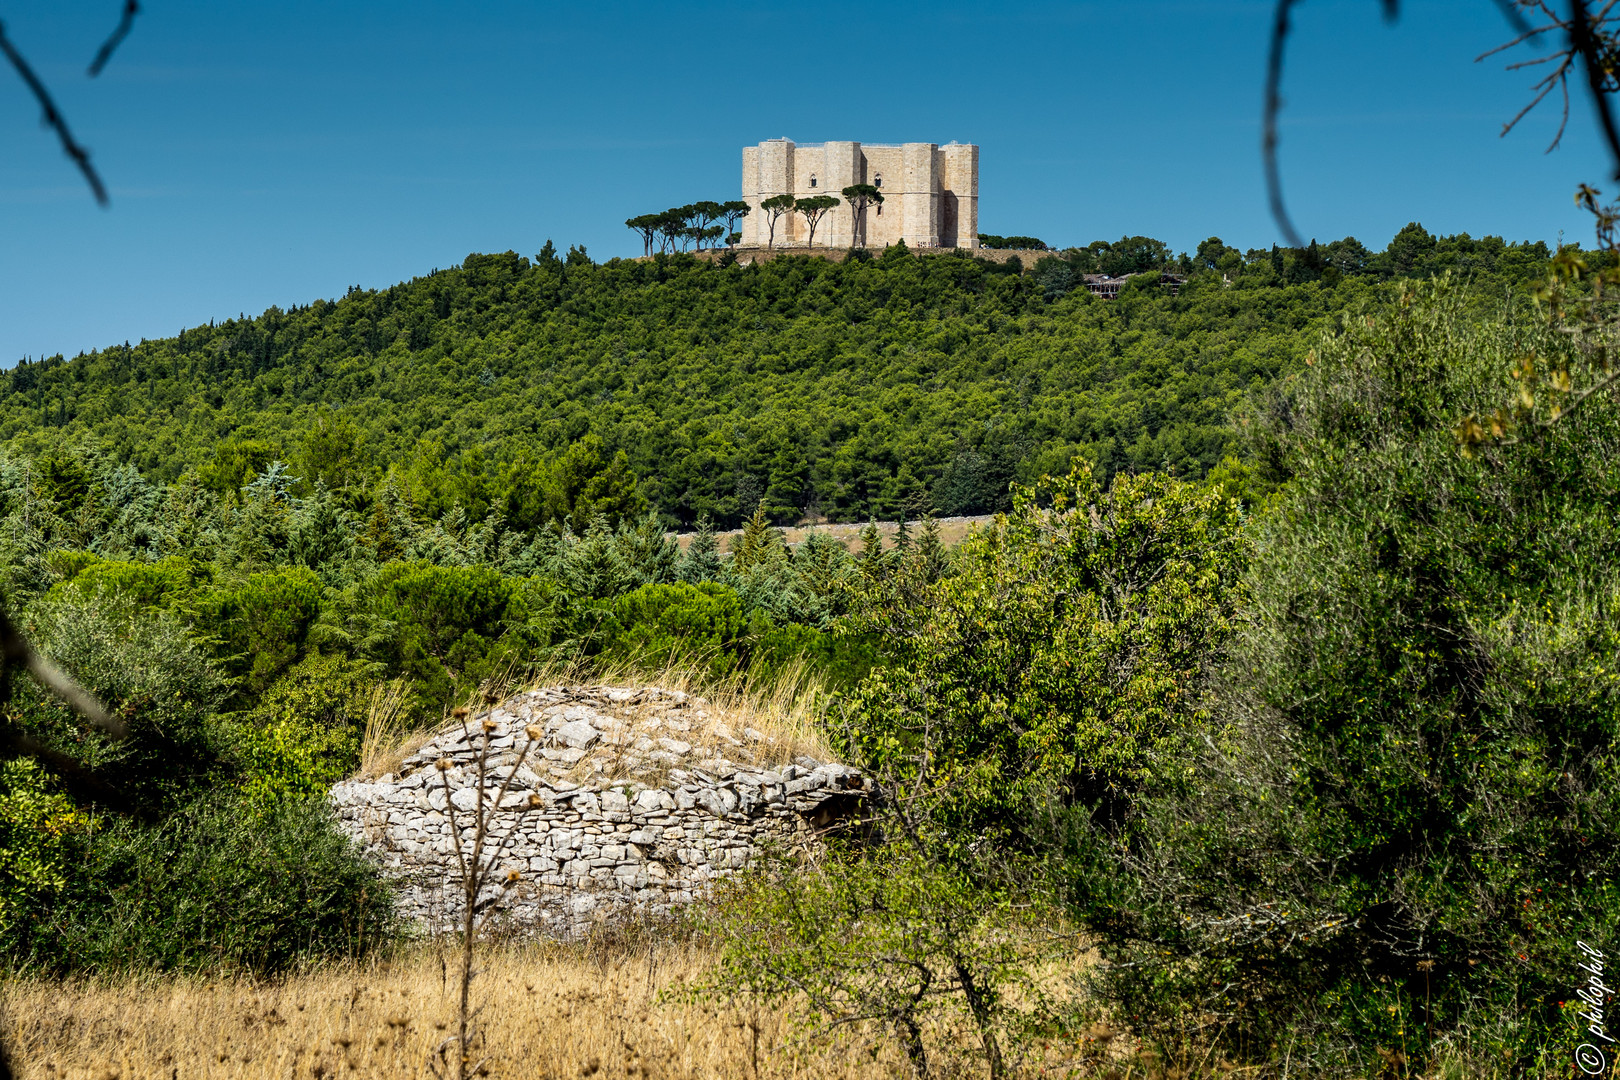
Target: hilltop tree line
<point>694,224</point>
<point>1413,252</point>
<point>675,228</point>
<point>1020,243</point>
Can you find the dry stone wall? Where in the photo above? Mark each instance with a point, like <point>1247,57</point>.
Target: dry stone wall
<point>631,801</point>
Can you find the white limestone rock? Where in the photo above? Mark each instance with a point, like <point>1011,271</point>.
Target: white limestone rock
<point>613,814</point>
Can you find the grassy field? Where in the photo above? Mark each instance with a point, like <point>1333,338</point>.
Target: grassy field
<point>549,1010</point>
<point>612,1006</point>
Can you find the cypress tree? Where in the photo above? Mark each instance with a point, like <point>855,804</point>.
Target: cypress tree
<point>594,566</point>
<point>650,555</point>
<point>754,545</point>
<point>871,558</point>
<point>930,559</point>
<point>902,540</point>
<point>702,559</point>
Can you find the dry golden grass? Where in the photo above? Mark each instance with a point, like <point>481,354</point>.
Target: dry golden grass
<point>786,709</point>
<point>388,737</point>
<point>549,1011</point>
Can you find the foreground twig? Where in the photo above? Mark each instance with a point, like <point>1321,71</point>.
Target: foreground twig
<point>1280,26</point>
<point>53,117</point>
<point>116,38</point>
<point>474,868</point>
<point>17,653</point>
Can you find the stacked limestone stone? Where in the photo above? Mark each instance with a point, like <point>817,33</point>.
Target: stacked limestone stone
<point>630,801</point>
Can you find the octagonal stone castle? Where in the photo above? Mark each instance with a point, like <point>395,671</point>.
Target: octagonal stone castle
<point>930,192</point>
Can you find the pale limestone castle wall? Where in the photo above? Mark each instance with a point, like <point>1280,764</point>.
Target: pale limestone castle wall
<point>930,192</point>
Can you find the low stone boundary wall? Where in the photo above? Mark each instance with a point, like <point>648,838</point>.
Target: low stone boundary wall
<point>642,798</point>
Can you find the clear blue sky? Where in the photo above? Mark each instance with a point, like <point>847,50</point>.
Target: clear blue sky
<point>274,153</point>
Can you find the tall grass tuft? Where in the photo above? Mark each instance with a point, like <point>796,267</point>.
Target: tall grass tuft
<point>388,735</point>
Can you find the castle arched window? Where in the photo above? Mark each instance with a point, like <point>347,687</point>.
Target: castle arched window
<point>812,179</point>
<point>877,181</point>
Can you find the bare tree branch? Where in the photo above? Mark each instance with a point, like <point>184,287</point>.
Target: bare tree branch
<point>1589,38</point>
<point>1584,40</point>
<point>116,38</point>
<point>17,654</point>
<point>53,117</point>
<point>1273,105</point>
<point>1282,25</point>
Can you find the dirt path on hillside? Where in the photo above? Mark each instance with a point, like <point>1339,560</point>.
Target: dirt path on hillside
<point>952,531</point>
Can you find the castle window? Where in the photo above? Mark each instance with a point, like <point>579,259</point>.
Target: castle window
<point>880,209</point>
<point>812,179</point>
<point>877,181</point>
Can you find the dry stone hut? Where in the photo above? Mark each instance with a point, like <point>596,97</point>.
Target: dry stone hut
<point>640,800</point>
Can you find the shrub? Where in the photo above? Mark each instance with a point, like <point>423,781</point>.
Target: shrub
<point>657,624</point>
<point>212,888</point>
<point>439,626</point>
<point>888,940</point>
<point>261,624</point>
<point>305,735</point>
<point>1064,655</point>
<point>842,659</point>
<point>141,665</point>
<point>167,583</point>
<point>38,830</point>
<point>1418,814</point>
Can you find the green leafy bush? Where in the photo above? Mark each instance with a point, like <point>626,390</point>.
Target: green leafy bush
<point>446,629</point>
<point>1416,814</point>
<point>39,828</point>
<point>168,583</point>
<point>261,624</point>
<point>141,665</point>
<point>212,888</point>
<point>125,859</point>
<point>679,623</point>
<point>305,734</point>
<point>1062,658</point>
<point>889,940</point>
<point>842,658</point>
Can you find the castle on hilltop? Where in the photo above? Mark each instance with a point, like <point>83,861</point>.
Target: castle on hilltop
<point>930,192</point>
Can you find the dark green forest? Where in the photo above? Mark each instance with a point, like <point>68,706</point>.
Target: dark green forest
<point>833,390</point>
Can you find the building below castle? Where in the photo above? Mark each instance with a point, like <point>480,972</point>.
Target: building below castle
<point>930,193</point>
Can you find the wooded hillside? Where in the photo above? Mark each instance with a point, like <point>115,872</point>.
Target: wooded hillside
<point>839,390</point>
